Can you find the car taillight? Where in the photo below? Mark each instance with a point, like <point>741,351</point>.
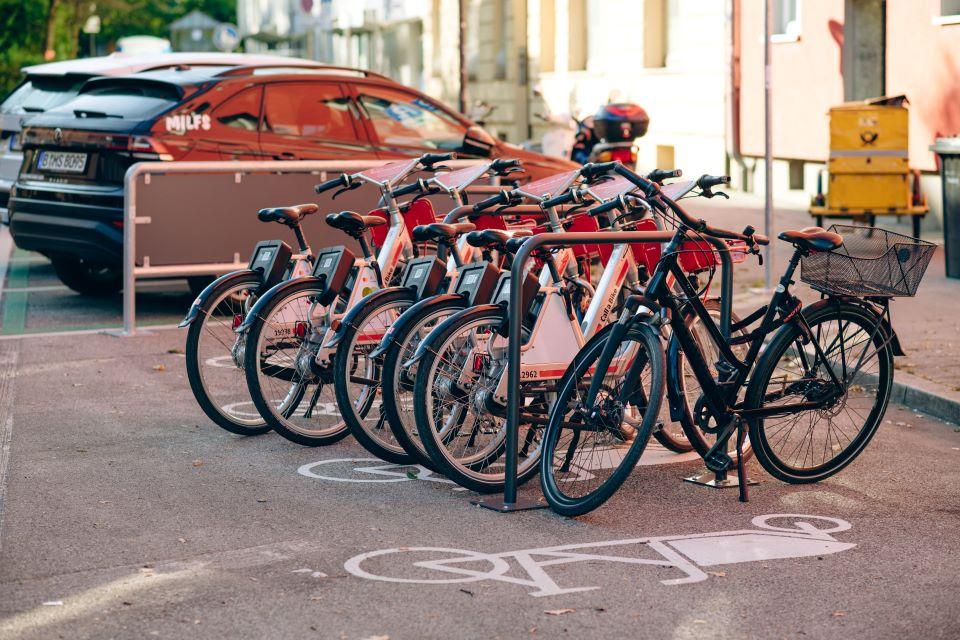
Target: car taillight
<point>147,148</point>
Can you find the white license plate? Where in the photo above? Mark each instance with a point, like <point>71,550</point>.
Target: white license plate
<point>62,162</point>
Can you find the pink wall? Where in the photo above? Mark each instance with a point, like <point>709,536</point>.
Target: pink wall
<point>806,82</point>
<point>923,62</point>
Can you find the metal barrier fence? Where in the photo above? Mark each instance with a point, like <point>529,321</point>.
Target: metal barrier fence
<point>509,502</point>
<point>185,219</point>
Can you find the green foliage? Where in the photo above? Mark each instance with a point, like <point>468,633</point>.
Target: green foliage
<point>23,27</point>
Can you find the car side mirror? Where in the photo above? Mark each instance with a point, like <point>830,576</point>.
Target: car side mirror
<point>477,142</point>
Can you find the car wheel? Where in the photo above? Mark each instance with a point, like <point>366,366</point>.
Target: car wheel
<point>88,278</point>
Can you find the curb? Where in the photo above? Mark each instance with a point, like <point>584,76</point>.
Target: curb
<point>916,393</point>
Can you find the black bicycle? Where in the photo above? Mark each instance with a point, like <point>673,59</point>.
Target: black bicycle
<point>811,397</point>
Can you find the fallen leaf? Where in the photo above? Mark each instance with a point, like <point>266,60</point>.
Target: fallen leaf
<point>411,475</point>
<point>198,462</point>
<point>558,612</point>
<point>261,499</point>
<point>182,540</point>
<point>159,367</point>
<point>839,614</point>
<point>316,598</point>
<point>718,574</point>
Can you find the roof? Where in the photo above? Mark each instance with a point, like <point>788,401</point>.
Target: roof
<point>118,64</point>
<point>196,19</point>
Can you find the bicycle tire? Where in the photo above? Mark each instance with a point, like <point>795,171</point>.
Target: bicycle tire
<point>385,445</point>
<point>761,433</point>
<point>216,411</point>
<point>575,381</point>
<point>279,417</point>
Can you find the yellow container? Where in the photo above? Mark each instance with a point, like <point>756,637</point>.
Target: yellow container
<point>877,192</point>
<point>869,137</point>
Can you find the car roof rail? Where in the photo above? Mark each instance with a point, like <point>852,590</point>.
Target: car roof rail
<point>298,68</point>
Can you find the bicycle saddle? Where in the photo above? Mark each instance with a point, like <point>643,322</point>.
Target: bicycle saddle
<point>813,239</point>
<point>441,232</point>
<point>495,238</point>
<point>289,216</point>
<point>353,223</point>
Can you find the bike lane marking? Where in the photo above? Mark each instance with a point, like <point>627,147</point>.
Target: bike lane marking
<point>686,553</point>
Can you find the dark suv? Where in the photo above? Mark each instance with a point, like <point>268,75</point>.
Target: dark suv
<point>67,202</point>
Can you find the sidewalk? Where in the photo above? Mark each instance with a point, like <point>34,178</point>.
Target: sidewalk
<point>928,378</point>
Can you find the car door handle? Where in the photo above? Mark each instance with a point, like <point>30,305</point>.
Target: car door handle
<point>286,155</point>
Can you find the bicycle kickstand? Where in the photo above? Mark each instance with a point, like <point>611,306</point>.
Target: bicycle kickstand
<point>741,463</point>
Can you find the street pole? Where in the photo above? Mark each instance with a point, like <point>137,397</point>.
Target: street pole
<point>767,144</point>
<point>462,95</point>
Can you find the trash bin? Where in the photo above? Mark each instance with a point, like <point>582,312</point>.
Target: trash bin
<point>949,151</point>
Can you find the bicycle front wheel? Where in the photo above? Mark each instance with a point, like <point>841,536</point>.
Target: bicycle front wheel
<point>587,454</point>
<point>802,446</point>
<point>292,392</point>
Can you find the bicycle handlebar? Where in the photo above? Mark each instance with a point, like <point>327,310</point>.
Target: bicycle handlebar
<point>592,170</point>
<point>427,160</point>
<point>343,180</point>
<point>659,175</point>
<point>501,198</point>
<point>706,182</point>
<point>571,195</point>
<point>502,167</point>
<point>418,186</point>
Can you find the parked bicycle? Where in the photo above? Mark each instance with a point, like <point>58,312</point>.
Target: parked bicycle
<point>810,402</point>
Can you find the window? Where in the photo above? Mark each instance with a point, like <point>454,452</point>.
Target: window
<point>796,174</point>
<point>577,34</point>
<point>786,20</point>
<point>241,111</point>
<point>407,120</point>
<point>40,93</point>
<point>308,110</point>
<point>138,101</point>
<point>548,36</point>
<point>503,38</point>
<point>949,12</point>
<point>655,33</point>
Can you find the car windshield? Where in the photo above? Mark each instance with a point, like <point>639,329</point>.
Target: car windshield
<point>129,101</point>
<point>40,93</point>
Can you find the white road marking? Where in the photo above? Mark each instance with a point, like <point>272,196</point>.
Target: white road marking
<point>685,553</point>
<point>372,466</point>
<point>8,367</point>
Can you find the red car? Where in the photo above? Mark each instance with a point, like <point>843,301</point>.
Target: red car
<point>67,202</point>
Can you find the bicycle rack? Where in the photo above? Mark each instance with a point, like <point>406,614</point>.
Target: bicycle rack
<point>509,502</point>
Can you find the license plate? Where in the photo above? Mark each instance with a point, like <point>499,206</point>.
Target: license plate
<point>62,162</point>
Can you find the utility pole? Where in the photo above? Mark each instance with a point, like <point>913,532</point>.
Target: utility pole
<point>767,144</point>
<point>462,95</point>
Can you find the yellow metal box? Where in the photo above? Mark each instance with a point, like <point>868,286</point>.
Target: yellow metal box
<point>871,136</point>
<point>876,192</point>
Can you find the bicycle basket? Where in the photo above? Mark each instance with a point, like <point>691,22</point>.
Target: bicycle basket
<point>871,262</point>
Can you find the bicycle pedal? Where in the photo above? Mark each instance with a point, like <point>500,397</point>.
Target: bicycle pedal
<point>718,461</point>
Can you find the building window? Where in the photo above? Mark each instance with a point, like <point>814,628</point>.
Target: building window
<point>577,34</point>
<point>473,38</point>
<point>548,36</point>
<point>655,33</point>
<point>796,174</point>
<point>786,20</point>
<point>949,12</point>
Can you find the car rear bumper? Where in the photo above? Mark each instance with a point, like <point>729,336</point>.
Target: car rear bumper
<point>75,222</point>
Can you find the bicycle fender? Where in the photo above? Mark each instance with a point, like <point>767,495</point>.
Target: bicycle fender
<point>400,326</point>
<point>271,294</point>
<point>885,325</point>
<point>428,343</point>
<point>215,287</point>
<point>352,315</point>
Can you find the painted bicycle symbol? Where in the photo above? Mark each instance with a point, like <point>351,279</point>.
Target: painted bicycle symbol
<point>685,553</point>
<point>366,471</point>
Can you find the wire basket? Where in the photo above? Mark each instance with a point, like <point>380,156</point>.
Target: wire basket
<point>871,262</point>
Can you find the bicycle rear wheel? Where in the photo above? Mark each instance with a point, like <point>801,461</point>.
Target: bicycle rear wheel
<point>586,457</point>
<point>808,446</point>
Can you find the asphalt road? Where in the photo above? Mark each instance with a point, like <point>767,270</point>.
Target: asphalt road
<point>126,514</point>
